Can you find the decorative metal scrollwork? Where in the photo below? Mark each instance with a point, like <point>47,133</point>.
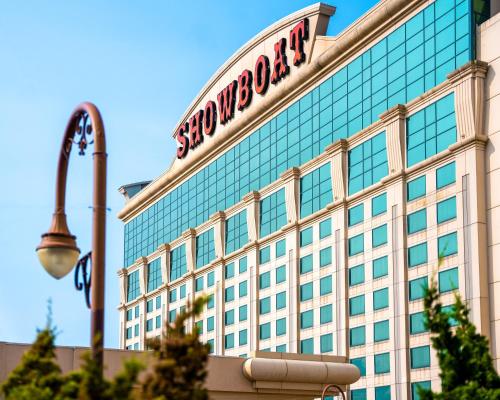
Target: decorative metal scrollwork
<point>86,276</point>
<point>83,130</point>
<point>328,387</point>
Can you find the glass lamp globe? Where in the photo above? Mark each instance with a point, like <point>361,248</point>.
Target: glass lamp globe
<point>58,261</point>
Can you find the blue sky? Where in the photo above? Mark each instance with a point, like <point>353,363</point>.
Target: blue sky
<point>141,63</point>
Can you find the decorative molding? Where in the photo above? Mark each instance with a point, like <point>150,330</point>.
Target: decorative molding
<point>395,131</point>
<point>219,221</point>
<point>338,166</point>
<point>291,177</point>
<point>189,237</point>
<point>252,200</point>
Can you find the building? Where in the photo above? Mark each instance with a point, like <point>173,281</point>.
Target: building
<point>317,180</point>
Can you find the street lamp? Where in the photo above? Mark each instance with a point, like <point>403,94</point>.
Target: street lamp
<point>58,252</point>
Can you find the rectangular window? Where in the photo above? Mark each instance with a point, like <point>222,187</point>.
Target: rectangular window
<point>359,362</point>
<point>379,204</point>
<point>205,248</point>
<point>198,284</point>
<point>236,232</point>
<point>417,221</point>
<point>326,343</point>
<point>272,213</point>
<point>280,274</point>
<point>417,323</point>
<point>178,266</point>
<point>417,255</point>
<point>315,190</point>
<point>243,289</point>
<point>325,285</point>
<point>356,275</point>
<point>420,357</point>
<point>281,327</point>
<point>129,314</point>
<point>306,264</point>
<point>280,300</point>
<point>380,267</point>
<point>265,255</point>
<point>325,257</point>
<point>229,341</point>
<point>199,326</point>
<point>243,313</point>
<point>136,311</point>
<point>265,331</point>
<point>446,210</point>
<point>158,302</point>
<point>182,291</point>
<point>417,288</point>
<point>158,321</point>
<point>172,296</point>
<point>383,393</point>
<point>307,346</point>
<point>325,228</point>
<point>281,348</point>
<point>242,337</point>
<point>414,388</point>
<point>172,314</point>
<point>229,317</point>
<point>381,299</point>
<point>355,214</point>
<point>447,245</point>
<point>242,265</point>
<point>415,188</point>
<point>210,324</point>
<point>381,331</point>
<point>325,314</point>
<point>448,280</point>
<point>450,309</point>
<point>229,294</point>
<point>149,306</point>
<point>357,305</point>
<point>356,244</point>
<point>229,271</point>
<point>306,237</point>
<point>129,333</point>
<point>306,291</point>
<point>431,130</point>
<point>136,330</point>
<point>379,236</point>
<point>210,302</point>
<point>306,319</point>
<point>210,279</point>
<point>357,336</point>
<point>367,163</point>
<point>382,363</point>
<point>265,280</point>
<point>358,394</point>
<point>133,288</point>
<point>445,175</point>
<point>265,305</point>
<point>154,275</point>
<point>211,346</point>
<point>280,248</point>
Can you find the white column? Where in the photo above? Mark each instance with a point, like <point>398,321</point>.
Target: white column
<point>252,202</point>
<point>291,179</point>
<point>394,121</point>
<point>219,221</point>
<point>164,250</point>
<point>338,156</point>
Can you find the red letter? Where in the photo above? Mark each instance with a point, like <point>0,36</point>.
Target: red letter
<point>210,118</point>
<point>183,141</point>
<point>195,129</point>
<point>297,36</point>
<point>244,89</point>
<point>280,66</point>
<point>261,74</point>
<point>226,100</point>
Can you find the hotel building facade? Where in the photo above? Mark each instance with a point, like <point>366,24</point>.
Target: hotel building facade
<point>317,180</point>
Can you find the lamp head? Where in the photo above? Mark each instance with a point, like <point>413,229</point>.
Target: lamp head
<point>57,251</point>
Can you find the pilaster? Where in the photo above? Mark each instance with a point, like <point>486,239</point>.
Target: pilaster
<point>143,266</point>
<point>468,82</point>
<point>164,250</point>
<point>338,154</point>
<point>395,132</point>
<point>252,201</point>
<point>291,179</point>
<point>189,238</point>
<point>219,221</point>
<point>122,279</point>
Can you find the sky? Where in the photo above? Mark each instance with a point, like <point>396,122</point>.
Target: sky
<point>141,63</point>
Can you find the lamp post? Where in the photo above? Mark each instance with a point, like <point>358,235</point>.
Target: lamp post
<point>58,252</point>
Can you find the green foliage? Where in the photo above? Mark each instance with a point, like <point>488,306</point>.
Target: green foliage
<point>179,370</point>
<point>466,365</point>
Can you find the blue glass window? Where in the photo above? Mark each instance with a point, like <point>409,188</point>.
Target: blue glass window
<point>379,204</point>
<point>420,357</point>
<point>265,331</point>
<point>306,237</point>
<point>264,280</point>
<point>229,271</point>
<point>243,313</point>
<point>358,394</point>
<point>417,221</point>
<point>229,317</point>
<point>264,255</point>
<point>414,388</point>
<point>367,163</point>
<point>355,214</point>
<point>306,291</point>
<point>325,257</point>
<point>280,248</point>
<point>357,305</point>
<point>447,245</point>
<point>315,190</point>
<point>417,288</point>
<point>383,393</point>
<point>448,280</point>
<point>210,279</point>
<point>356,244</point>
<point>210,324</point>
<point>325,228</point>
<point>133,288</point>
<point>431,130</point>
<point>229,294</point>
<point>205,248</point>
<point>356,275</point>
<point>307,346</point>
<point>280,300</point>
<point>359,362</point>
<point>243,289</point>
<point>198,284</point>
<point>382,363</point>
<point>325,314</point>
<point>381,299</point>
<point>357,336</point>
<point>417,255</point>
<point>325,285</point>
<point>381,331</point>
<point>417,323</point>
<point>280,274</point>
<point>326,343</point>
<point>380,267</point>
<point>242,265</point>
<point>236,232</point>
<point>379,236</point>
<point>306,264</point>
<point>242,337</point>
<point>178,265</point>
<point>415,188</point>
<point>306,319</point>
<point>446,210</point>
<point>280,326</point>
<point>272,213</point>
<point>445,175</point>
<point>265,305</point>
<point>154,275</point>
<point>229,341</point>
